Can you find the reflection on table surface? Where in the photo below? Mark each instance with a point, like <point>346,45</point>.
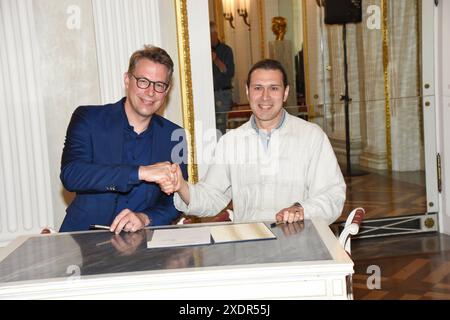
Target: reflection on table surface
<point>100,252</point>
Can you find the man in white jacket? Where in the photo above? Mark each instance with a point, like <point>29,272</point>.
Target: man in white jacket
<point>275,166</point>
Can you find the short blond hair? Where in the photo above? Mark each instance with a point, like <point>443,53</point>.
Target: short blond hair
<point>154,54</point>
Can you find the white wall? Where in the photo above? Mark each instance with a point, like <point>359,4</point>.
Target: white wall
<point>68,64</point>
<point>55,56</point>
<point>121,27</point>
<point>168,37</point>
<point>242,43</point>
<point>202,82</point>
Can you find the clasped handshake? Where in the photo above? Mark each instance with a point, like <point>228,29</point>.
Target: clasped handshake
<point>167,175</point>
<point>170,179</point>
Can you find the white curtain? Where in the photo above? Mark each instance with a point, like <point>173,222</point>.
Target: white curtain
<point>367,84</point>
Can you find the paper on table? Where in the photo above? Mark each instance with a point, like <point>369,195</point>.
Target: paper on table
<point>163,238</point>
<point>241,232</point>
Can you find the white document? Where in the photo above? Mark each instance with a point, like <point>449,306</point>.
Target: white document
<point>241,232</point>
<point>163,238</point>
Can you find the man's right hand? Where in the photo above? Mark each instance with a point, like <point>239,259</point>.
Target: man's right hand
<point>168,176</point>
<point>158,172</point>
<point>178,184</point>
<point>170,186</point>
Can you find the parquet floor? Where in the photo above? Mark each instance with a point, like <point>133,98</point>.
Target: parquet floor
<point>381,194</point>
<point>413,267</point>
<point>386,195</point>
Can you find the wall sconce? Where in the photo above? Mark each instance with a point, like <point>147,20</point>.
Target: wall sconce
<point>228,8</point>
<point>243,10</point>
<point>244,14</point>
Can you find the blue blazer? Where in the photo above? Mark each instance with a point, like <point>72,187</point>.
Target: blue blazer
<point>92,166</point>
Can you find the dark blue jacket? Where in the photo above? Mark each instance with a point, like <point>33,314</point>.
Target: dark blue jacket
<point>92,166</point>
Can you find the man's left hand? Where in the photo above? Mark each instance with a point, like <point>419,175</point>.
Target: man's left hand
<point>289,215</point>
<point>129,221</point>
<point>128,243</point>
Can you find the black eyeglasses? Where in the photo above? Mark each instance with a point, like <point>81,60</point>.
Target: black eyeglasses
<point>144,83</point>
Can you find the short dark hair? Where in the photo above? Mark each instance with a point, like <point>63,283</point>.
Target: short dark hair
<point>268,64</point>
<point>154,54</point>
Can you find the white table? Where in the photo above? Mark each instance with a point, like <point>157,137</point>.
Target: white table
<point>307,264</point>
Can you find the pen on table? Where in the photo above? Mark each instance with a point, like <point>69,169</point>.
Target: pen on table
<point>102,243</point>
<point>98,227</point>
<point>273,225</point>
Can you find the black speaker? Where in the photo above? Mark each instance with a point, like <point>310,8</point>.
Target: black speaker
<point>342,11</point>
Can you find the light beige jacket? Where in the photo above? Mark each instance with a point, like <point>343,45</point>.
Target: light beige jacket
<point>298,166</point>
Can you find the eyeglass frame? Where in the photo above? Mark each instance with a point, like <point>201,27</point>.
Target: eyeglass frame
<point>150,82</point>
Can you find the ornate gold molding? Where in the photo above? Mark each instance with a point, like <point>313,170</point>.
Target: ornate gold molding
<point>306,65</point>
<point>218,16</point>
<point>262,29</point>
<point>387,92</point>
<point>184,61</point>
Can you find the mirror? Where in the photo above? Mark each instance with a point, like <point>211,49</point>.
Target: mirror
<point>246,26</point>
<point>378,136</point>
<point>377,128</point>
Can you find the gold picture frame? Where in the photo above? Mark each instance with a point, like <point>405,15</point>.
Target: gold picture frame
<point>187,104</point>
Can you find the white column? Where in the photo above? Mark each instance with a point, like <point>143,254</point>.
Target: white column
<point>25,198</point>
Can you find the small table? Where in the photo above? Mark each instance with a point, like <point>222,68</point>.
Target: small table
<point>305,261</point>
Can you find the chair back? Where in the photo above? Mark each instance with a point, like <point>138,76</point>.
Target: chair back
<point>48,230</point>
<point>223,216</point>
<point>351,228</point>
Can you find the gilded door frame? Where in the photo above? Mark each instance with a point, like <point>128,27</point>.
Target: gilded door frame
<point>187,103</point>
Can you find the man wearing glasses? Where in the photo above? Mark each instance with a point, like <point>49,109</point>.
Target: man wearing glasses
<point>115,155</point>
